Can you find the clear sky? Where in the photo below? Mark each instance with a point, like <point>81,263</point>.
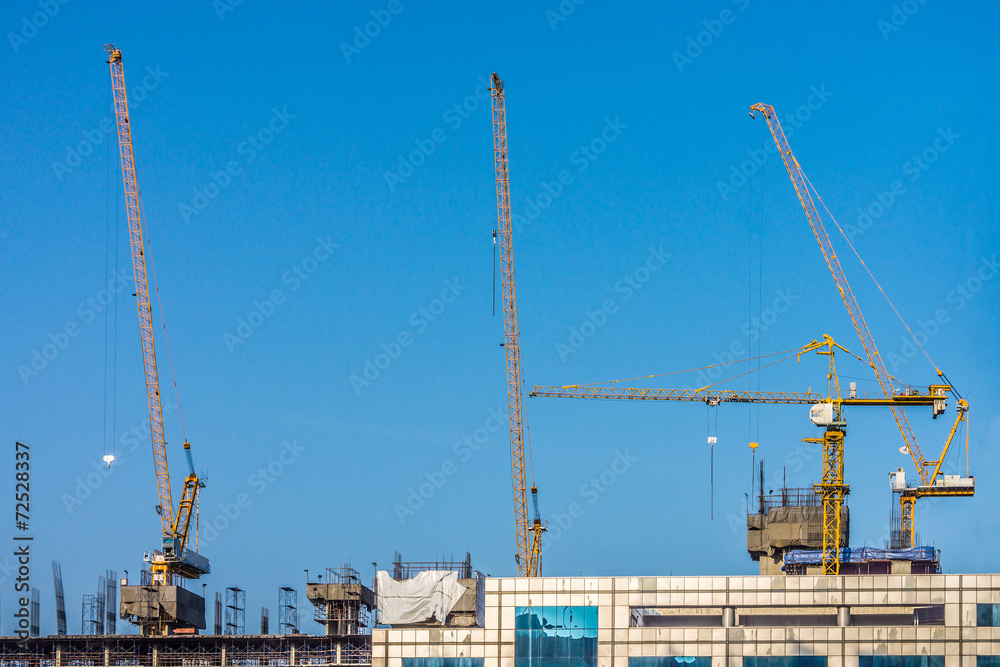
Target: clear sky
<point>316,197</point>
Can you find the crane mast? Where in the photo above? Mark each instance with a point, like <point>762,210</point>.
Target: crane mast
<point>175,557</point>
<point>528,554</point>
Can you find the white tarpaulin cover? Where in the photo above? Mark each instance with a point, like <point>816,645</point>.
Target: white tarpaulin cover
<point>428,595</point>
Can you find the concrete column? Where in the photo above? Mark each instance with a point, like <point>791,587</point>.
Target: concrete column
<point>339,660</point>
<point>107,656</point>
<point>728,617</point>
<point>843,616</point>
<point>225,660</point>
<point>156,656</point>
<point>58,655</point>
<point>293,654</point>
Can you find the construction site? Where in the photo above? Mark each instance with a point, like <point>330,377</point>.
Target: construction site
<point>819,600</point>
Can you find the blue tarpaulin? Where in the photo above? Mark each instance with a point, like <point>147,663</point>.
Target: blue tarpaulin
<point>860,555</point>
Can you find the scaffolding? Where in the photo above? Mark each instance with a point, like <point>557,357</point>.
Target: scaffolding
<point>218,613</point>
<point>92,615</point>
<point>343,604</point>
<point>236,607</point>
<point>288,614</point>
<point>406,570</point>
<point>186,651</point>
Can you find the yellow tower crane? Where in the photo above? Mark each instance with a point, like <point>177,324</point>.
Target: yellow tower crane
<point>175,558</point>
<point>825,411</point>
<point>927,470</point>
<point>529,536</point>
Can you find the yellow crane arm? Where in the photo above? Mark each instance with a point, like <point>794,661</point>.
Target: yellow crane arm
<point>134,210</point>
<point>511,345</point>
<point>853,309</point>
<point>716,397</point>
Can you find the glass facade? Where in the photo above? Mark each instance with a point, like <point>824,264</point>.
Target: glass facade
<point>901,661</point>
<point>555,637</point>
<point>786,661</point>
<point>442,662</point>
<point>679,661</point>
<point>988,661</point>
<point>988,615</point>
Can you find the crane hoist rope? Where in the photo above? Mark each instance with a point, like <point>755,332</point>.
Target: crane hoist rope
<point>870,274</point>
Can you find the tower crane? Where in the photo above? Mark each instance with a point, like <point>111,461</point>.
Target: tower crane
<point>175,558</point>
<point>927,470</point>
<point>825,411</point>
<point>529,536</point>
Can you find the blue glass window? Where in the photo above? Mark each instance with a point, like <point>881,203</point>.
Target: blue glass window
<point>786,661</point>
<point>442,662</point>
<point>988,615</point>
<point>679,661</point>
<point>901,661</point>
<point>555,637</point>
<point>988,661</point>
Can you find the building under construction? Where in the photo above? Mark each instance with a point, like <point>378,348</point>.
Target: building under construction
<point>817,602</point>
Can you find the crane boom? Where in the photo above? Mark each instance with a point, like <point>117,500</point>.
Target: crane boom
<point>134,211</point>
<point>526,564</point>
<point>853,309</point>
<point>927,470</point>
<point>175,557</point>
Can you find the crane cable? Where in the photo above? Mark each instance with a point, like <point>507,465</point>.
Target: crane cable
<point>856,254</point>
<point>163,322</point>
<point>687,370</point>
<point>112,300</point>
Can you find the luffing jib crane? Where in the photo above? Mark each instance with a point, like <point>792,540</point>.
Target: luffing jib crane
<point>529,536</point>
<point>927,470</point>
<point>175,558</point>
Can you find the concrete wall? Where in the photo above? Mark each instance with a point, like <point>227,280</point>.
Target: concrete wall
<point>958,639</point>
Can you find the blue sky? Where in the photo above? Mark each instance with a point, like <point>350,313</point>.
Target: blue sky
<point>342,189</point>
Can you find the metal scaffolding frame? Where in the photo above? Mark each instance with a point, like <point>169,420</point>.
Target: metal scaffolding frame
<point>236,607</point>
<point>288,613</point>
